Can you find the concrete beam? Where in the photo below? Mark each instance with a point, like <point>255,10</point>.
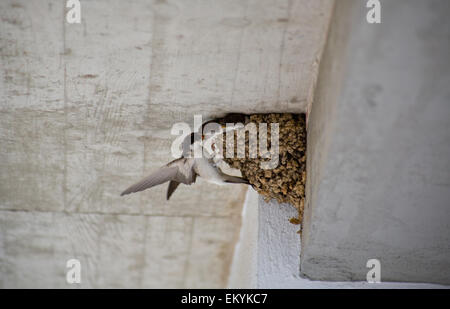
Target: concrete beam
<point>378,152</point>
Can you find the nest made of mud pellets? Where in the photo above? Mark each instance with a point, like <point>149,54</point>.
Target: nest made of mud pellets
<point>286,182</point>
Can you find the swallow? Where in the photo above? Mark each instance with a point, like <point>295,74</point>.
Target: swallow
<point>186,169</point>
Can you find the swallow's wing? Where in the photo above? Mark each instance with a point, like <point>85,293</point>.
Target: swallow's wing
<point>173,185</point>
<point>162,175</point>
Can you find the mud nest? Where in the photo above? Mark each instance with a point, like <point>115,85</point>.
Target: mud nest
<point>286,182</point>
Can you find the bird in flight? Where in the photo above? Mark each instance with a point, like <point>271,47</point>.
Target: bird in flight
<point>186,168</point>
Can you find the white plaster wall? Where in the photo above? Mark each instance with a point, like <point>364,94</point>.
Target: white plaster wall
<point>244,270</point>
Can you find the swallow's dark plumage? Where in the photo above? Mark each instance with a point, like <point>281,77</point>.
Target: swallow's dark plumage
<point>186,169</point>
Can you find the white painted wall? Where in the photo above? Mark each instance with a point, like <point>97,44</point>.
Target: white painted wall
<point>244,270</point>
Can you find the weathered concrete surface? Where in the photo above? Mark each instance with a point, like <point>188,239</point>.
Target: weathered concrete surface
<point>87,109</point>
<point>382,149</point>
